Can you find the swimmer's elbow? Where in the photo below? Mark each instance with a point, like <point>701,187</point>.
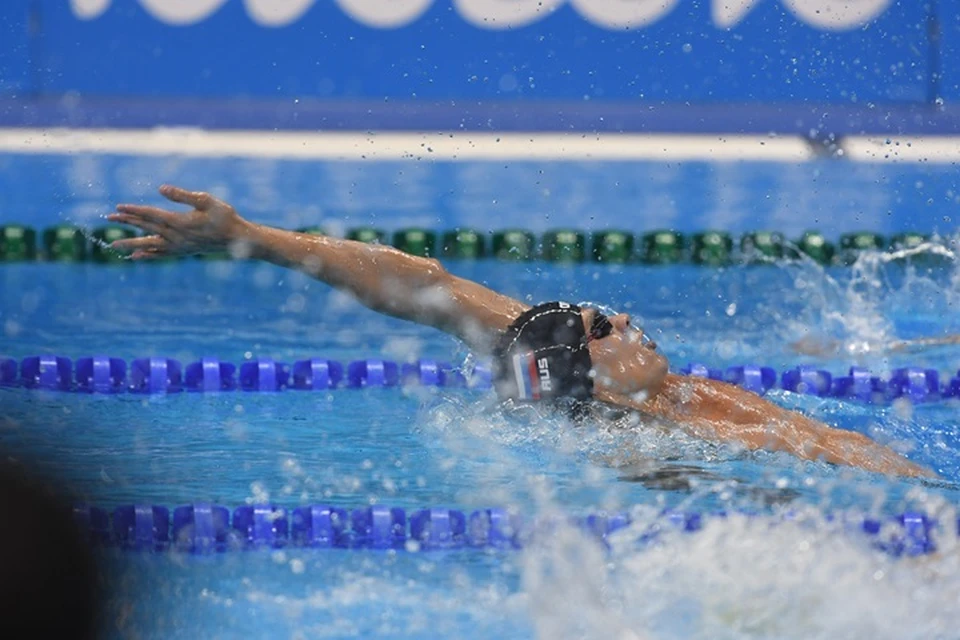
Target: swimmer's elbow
<point>432,274</point>
<point>436,269</point>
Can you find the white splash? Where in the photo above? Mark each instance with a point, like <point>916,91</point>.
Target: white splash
<point>739,578</point>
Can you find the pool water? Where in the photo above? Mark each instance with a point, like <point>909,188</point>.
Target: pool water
<point>420,447</point>
<point>739,577</point>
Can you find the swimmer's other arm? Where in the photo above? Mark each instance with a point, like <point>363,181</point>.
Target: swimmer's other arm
<point>381,277</point>
<point>718,411</point>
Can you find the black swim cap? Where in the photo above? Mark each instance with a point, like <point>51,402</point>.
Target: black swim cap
<point>543,356</point>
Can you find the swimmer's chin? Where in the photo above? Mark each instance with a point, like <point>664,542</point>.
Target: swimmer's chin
<point>634,399</point>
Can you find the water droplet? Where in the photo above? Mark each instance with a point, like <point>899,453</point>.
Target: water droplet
<point>11,328</point>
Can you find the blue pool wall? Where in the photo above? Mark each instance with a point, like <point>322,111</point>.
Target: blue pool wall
<point>691,68</point>
<point>695,65</point>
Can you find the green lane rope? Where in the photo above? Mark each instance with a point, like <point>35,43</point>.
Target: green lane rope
<point>513,245</point>
<point>853,243</point>
<point>612,247</point>
<point>662,247</point>
<point>418,242</point>
<point>17,243</point>
<point>463,244</point>
<point>102,237</point>
<point>66,243</point>
<point>564,245</point>
<point>367,234</point>
<point>760,246</point>
<point>712,248</point>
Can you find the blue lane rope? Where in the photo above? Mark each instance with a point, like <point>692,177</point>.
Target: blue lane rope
<point>103,374</point>
<point>209,528</point>
<point>916,384</point>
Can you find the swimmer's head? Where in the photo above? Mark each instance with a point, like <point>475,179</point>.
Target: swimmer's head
<point>543,356</point>
<point>557,350</point>
<point>625,361</point>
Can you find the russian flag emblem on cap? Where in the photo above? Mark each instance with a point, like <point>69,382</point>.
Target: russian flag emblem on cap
<point>526,376</point>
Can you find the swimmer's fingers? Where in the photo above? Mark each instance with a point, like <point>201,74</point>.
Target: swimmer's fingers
<point>149,219</point>
<point>155,215</point>
<point>145,226</point>
<point>197,199</point>
<point>151,254</point>
<point>146,243</point>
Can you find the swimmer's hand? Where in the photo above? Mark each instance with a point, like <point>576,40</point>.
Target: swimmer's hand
<point>212,225</point>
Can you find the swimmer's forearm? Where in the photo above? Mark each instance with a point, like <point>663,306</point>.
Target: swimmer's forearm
<point>389,281</point>
<point>721,412</point>
<point>381,277</point>
<point>793,433</point>
<point>810,440</point>
<point>854,449</point>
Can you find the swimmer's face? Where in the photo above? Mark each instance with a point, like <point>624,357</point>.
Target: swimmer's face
<point>624,359</point>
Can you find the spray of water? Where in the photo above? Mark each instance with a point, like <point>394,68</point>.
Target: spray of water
<point>739,577</point>
<point>847,313</point>
<point>799,571</point>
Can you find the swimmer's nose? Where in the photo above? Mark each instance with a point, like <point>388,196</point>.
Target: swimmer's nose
<point>620,322</point>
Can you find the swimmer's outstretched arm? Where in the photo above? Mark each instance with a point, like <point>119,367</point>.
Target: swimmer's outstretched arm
<point>382,278</point>
<point>718,411</point>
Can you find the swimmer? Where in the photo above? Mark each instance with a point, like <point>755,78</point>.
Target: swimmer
<point>556,353</point>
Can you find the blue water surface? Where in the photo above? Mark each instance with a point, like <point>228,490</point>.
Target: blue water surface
<point>418,447</point>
